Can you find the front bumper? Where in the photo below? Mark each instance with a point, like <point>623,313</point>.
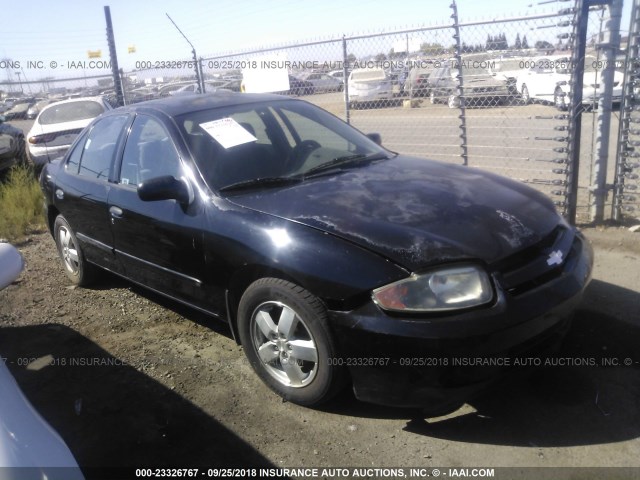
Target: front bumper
<point>432,361</point>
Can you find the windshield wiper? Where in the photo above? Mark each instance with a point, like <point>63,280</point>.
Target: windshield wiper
<point>341,162</point>
<point>260,182</point>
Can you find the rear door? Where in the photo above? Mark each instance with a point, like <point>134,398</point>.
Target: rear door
<point>82,189</point>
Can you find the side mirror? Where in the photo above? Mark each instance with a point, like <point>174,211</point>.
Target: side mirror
<point>375,137</point>
<point>166,187</point>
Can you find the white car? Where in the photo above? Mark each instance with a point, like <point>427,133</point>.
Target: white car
<point>368,85</point>
<point>548,80</point>
<point>339,74</point>
<point>210,86</point>
<point>26,439</point>
<point>57,126</point>
<point>323,82</point>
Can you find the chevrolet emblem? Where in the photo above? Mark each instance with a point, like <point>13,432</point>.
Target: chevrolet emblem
<point>555,258</point>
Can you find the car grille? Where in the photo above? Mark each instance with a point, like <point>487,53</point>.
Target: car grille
<point>538,264</point>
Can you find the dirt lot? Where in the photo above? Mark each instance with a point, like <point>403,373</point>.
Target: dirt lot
<point>131,379</point>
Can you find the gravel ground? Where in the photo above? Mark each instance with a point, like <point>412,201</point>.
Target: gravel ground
<point>131,379</point>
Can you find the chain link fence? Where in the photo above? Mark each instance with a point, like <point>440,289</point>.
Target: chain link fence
<point>626,201</point>
<point>495,94</point>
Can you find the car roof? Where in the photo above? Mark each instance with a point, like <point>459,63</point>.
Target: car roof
<point>174,106</point>
<point>98,99</point>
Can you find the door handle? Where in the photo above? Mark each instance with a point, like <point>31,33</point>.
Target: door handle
<point>116,212</point>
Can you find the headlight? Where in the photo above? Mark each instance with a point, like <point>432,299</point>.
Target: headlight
<point>440,290</point>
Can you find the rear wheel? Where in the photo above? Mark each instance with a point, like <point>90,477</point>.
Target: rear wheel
<point>79,271</point>
<point>284,333</point>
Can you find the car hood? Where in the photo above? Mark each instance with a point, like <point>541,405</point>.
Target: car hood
<point>416,212</point>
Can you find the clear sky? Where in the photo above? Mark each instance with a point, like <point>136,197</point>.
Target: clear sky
<point>63,30</point>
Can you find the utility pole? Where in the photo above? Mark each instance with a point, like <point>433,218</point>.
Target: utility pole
<point>117,84</point>
<point>19,81</point>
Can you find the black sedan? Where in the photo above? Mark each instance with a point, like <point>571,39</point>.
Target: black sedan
<point>12,149</point>
<point>332,259</point>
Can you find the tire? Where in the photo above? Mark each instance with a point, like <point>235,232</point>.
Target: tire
<point>524,94</point>
<point>453,102</point>
<point>559,100</point>
<point>79,271</point>
<point>279,321</point>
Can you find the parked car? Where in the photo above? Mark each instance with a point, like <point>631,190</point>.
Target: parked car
<point>34,109</point>
<point>12,148</point>
<point>548,80</point>
<point>29,447</point>
<point>479,86</point>
<point>19,110</point>
<point>7,104</point>
<point>57,125</point>
<point>234,85</point>
<point>332,259</point>
<point>508,70</point>
<point>339,74</point>
<point>368,85</point>
<point>165,90</point>
<point>210,86</point>
<point>141,94</point>
<point>417,82</point>
<point>298,87</point>
<point>322,82</point>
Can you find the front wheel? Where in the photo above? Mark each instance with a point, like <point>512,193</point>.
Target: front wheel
<point>283,330</point>
<point>79,271</point>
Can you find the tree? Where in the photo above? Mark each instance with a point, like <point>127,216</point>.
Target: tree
<point>518,44</point>
<point>431,48</point>
<point>351,59</point>
<point>489,44</point>
<point>525,44</point>
<point>543,45</point>
<point>505,43</point>
<point>381,57</point>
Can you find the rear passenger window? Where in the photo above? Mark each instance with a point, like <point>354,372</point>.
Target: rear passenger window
<point>100,147</point>
<point>74,158</point>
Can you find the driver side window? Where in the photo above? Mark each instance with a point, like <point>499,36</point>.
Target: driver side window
<point>149,153</point>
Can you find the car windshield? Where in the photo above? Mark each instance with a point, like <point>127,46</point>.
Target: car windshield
<point>70,112</point>
<point>270,141</point>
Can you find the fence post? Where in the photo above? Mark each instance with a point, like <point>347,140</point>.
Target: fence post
<point>345,76</point>
<point>580,23</point>
<point>460,87</point>
<point>117,83</point>
<point>610,46</point>
<point>625,153</point>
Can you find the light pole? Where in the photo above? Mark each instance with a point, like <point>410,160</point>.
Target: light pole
<point>19,82</point>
